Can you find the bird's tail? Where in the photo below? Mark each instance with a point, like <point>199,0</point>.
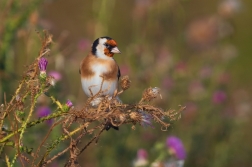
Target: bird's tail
<point>109,125</point>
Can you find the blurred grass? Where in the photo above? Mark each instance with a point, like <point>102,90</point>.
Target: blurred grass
<point>242,39</point>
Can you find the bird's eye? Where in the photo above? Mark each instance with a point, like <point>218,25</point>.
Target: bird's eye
<point>106,45</point>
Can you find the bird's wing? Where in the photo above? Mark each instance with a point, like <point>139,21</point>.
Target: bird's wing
<point>118,73</point>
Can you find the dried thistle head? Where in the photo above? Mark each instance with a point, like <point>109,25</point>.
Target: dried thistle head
<point>96,101</point>
<point>151,93</point>
<point>50,81</point>
<point>122,117</point>
<point>146,119</point>
<point>19,103</point>
<point>135,116</point>
<point>125,82</point>
<point>142,117</point>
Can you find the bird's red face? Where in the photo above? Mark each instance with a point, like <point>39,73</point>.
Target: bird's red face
<point>105,46</point>
<point>111,48</point>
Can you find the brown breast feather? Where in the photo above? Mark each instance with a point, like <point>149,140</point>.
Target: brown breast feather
<point>86,70</point>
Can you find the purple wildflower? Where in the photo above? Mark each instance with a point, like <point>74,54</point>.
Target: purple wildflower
<point>142,158</point>
<point>43,64</point>
<point>69,103</point>
<point>56,75</point>
<point>44,111</point>
<point>142,154</point>
<point>176,147</point>
<point>219,97</point>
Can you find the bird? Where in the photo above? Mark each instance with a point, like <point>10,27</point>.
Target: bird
<point>99,71</point>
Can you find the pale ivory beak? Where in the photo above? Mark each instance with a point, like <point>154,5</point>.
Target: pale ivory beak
<point>115,50</point>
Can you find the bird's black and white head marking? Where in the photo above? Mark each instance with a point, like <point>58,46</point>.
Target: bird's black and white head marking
<point>104,47</point>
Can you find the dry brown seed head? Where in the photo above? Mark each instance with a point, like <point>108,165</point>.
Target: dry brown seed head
<point>50,80</point>
<point>125,82</point>
<point>151,93</point>
<point>135,116</point>
<point>122,117</point>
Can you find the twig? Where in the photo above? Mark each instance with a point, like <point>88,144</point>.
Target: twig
<point>43,141</point>
<point>56,156</point>
<point>9,104</point>
<point>33,123</point>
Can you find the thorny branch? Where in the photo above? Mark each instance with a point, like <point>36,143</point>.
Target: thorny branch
<point>101,111</point>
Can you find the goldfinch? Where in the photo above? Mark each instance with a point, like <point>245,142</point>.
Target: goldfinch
<point>100,72</point>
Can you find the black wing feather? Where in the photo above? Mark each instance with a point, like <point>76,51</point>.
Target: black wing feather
<point>118,73</point>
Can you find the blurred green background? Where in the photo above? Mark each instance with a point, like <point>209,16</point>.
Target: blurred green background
<point>198,53</point>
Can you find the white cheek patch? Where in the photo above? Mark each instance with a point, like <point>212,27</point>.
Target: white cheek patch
<point>100,49</point>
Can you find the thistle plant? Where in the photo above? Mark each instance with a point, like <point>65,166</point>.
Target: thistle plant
<point>19,115</point>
